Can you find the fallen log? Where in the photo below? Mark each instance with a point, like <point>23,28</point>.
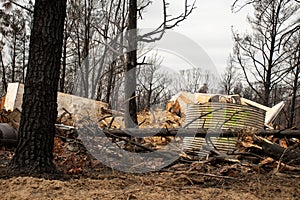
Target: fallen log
<point>191,132</point>
<point>286,155</point>
<point>112,112</point>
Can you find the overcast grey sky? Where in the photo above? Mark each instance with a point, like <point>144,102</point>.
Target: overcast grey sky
<point>209,26</point>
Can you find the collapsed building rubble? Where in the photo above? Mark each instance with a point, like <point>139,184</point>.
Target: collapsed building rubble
<point>219,112</point>
<point>179,103</point>
<point>202,124</point>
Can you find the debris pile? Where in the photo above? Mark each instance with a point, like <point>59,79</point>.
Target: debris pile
<point>185,113</point>
<point>180,102</point>
<point>70,155</point>
<point>271,152</point>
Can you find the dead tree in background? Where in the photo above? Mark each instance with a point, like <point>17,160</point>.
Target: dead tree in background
<point>4,82</point>
<point>152,83</point>
<point>259,54</point>
<point>130,70</point>
<point>292,80</point>
<point>230,78</point>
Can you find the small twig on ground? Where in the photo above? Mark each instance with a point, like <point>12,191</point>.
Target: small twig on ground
<point>206,174</point>
<point>280,161</point>
<point>142,122</point>
<point>246,154</point>
<point>105,117</point>
<point>111,122</point>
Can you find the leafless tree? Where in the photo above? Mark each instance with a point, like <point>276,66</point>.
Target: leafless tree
<point>15,37</point>
<point>238,87</point>
<point>168,22</point>
<point>230,78</point>
<point>292,79</point>
<point>259,53</point>
<point>152,83</point>
<point>4,81</point>
<point>191,80</point>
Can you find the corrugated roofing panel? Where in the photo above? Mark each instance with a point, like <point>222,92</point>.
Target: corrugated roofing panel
<point>220,116</point>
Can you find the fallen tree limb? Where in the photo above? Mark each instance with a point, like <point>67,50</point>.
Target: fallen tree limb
<point>286,167</point>
<point>206,174</point>
<point>201,132</point>
<point>166,154</point>
<point>289,156</point>
<point>112,112</point>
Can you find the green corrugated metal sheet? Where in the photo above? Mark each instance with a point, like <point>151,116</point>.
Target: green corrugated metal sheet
<point>222,116</point>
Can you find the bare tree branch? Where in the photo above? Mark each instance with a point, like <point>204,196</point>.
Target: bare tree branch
<point>168,23</point>
<point>6,4</point>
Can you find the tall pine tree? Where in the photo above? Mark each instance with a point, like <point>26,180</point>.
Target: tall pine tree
<point>39,109</point>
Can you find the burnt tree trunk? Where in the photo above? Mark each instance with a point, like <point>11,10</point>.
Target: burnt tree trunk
<point>4,82</point>
<point>64,63</point>
<point>130,79</point>
<point>290,156</point>
<point>110,81</point>
<point>24,55</point>
<point>295,89</point>
<point>13,65</point>
<point>39,109</point>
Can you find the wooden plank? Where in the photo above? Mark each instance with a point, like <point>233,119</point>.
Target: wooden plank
<point>11,95</point>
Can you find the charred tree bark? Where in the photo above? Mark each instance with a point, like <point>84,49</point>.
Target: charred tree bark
<point>290,156</point>
<point>270,67</point>
<point>295,89</point>
<point>24,55</point>
<point>110,81</point>
<point>13,65</point>
<point>85,68</point>
<point>130,79</point>
<point>37,126</point>
<point>64,64</point>
<point>78,46</point>
<point>4,82</point>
